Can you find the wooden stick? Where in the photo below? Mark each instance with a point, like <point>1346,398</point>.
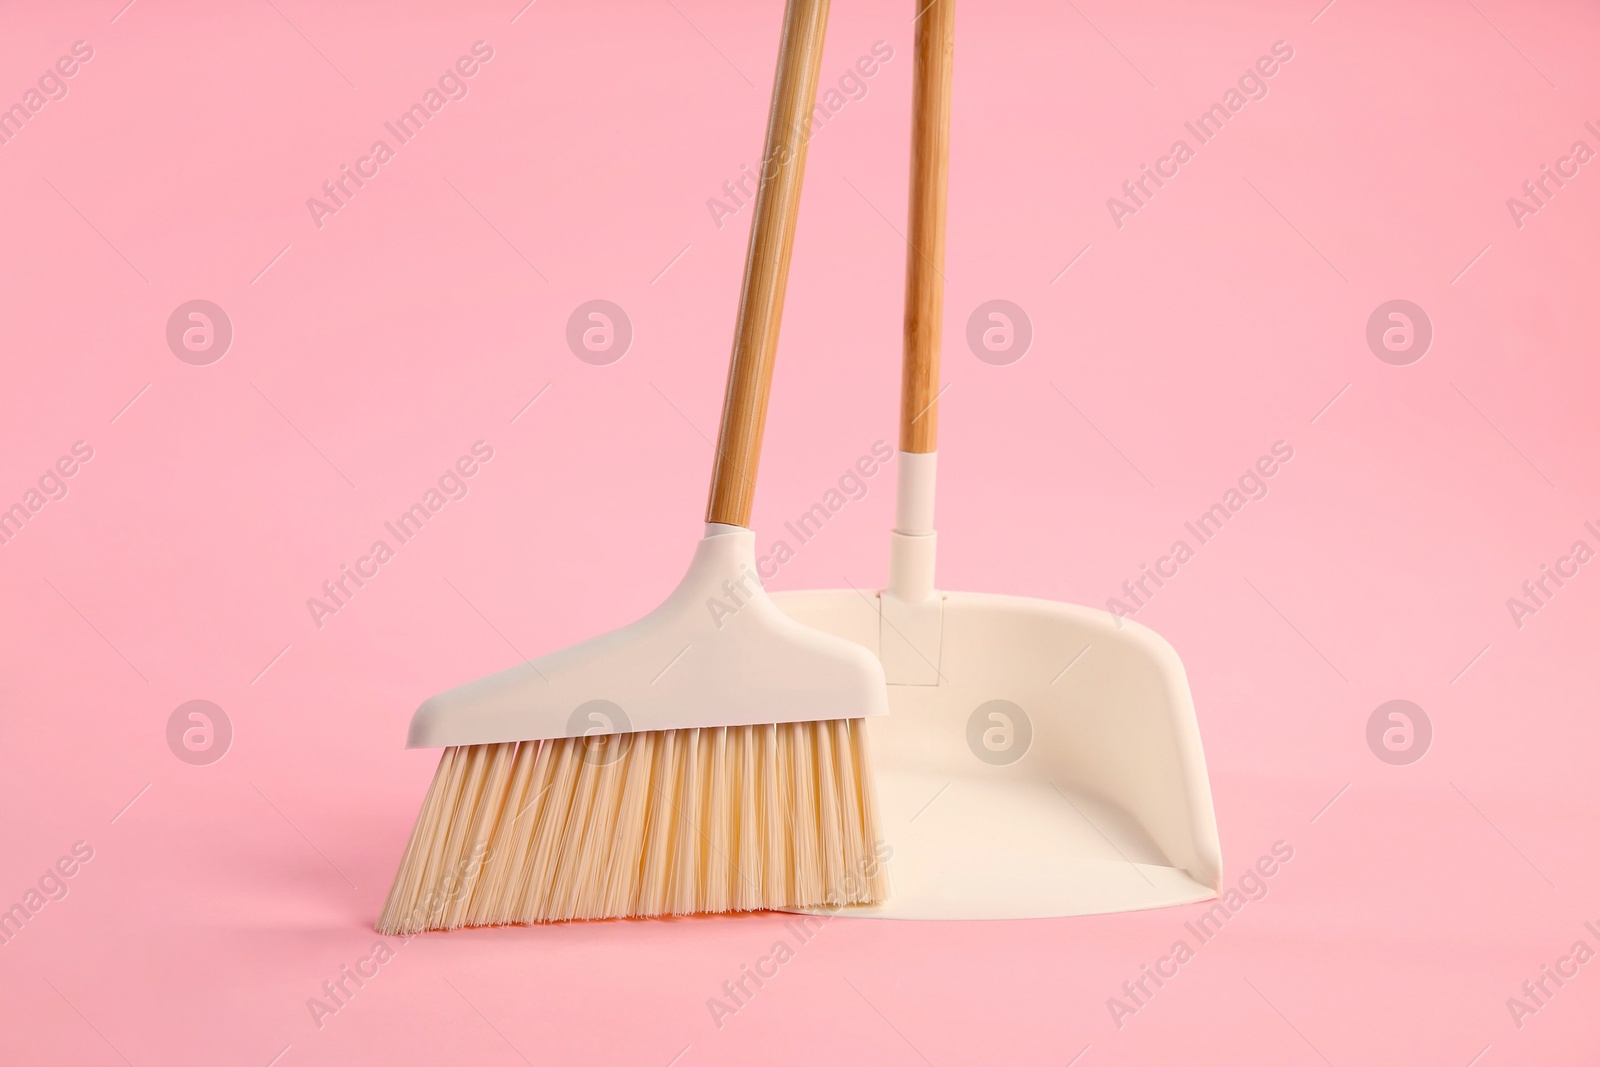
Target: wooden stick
<point>930,170</point>
<point>766,272</point>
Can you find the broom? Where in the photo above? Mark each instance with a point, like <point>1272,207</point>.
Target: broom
<point>709,757</point>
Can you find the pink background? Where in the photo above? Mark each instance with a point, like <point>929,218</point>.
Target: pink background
<point>1224,316</point>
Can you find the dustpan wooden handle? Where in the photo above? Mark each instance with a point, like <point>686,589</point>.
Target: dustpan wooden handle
<point>930,168</point>
<point>766,272</point>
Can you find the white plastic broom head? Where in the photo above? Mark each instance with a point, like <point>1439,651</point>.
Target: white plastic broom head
<point>718,652</point>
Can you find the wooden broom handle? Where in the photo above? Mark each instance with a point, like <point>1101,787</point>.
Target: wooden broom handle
<point>766,270</point>
<point>930,171</point>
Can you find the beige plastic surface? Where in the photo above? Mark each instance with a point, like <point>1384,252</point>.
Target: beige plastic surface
<point>1108,807</point>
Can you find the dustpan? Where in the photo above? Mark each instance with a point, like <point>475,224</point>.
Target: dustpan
<point>1039,759</point>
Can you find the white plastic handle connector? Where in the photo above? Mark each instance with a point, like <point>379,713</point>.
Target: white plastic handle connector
<point>717,652</point>
<point>913,542</point>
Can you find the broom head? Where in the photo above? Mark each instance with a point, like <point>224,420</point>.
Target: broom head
<point>710,757</point>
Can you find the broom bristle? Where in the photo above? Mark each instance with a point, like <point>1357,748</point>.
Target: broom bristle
<point>667,822</point>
